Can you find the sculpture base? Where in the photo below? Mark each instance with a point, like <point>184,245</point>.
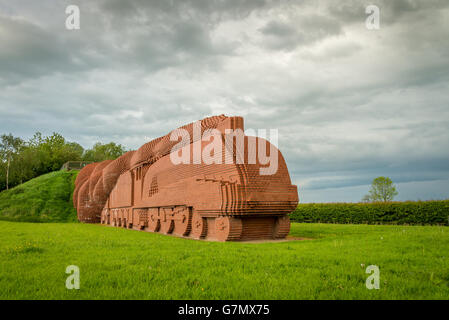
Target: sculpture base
<point>183,221</point>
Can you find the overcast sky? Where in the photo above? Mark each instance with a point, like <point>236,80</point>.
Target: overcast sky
<point>350,103</point>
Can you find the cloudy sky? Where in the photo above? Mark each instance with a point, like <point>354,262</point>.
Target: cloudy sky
<point>350,103</point>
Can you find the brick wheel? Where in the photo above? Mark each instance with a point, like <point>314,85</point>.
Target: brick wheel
<point>183,221</point>
<point>228,228</point>
<point>281,227</point>
<point>199,226</point>
<point>154,224</point>
<point>167,223</point>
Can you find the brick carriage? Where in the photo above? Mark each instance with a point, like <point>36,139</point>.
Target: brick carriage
<point>229,201</point>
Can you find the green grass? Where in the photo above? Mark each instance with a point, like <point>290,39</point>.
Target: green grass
<point>47,198</point>
<point>123,264</point>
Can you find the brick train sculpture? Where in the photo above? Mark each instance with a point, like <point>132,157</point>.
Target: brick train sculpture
<point>226,200</point>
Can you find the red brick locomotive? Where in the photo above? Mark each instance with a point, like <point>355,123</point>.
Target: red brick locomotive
<point>228,198</point>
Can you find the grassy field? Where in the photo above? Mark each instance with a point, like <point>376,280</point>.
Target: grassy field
<point>122,264</point>
<point>47,198</point>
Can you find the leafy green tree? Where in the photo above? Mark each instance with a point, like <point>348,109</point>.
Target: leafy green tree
<point>9,146</point>
<point>49,153</point>
<point>382,189</point>
<point>2,176</point>
<point>366,198</point>
<point>21,161</point>
<point>22,164</point>
<point>58,151</point>
<point>100,152</point>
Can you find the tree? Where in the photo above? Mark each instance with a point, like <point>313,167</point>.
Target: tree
<point>382,189</point>
<point>366,198</point>
<point>22,164</point>
<point>58,151</point>
<point>46,154</point>
<point>21,160</point>
<point>100,152</point>
<point>9,146</point>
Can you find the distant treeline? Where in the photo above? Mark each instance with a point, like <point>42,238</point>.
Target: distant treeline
<point>408,212</point>
<point>22,160</point>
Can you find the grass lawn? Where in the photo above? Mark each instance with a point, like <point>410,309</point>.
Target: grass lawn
<point>123,264</point>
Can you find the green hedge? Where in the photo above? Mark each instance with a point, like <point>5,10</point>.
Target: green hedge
<point>410,212</point>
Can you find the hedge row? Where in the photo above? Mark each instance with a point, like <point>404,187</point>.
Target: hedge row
<point>410,212</point>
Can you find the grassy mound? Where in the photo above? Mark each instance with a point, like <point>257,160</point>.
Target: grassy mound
<point>47,198</point>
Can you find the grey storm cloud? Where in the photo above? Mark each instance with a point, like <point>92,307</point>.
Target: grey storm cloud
<point>302,30</point>
<point>350,103</point>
